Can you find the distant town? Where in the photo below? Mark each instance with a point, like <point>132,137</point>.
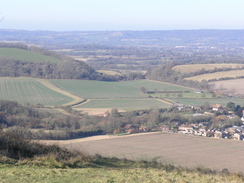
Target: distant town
<point>199,129</point>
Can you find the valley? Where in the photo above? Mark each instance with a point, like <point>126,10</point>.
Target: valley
<point>127,96</point>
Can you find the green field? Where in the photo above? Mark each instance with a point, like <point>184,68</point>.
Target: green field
<point>124,103</point>
<point>26,56</point>
<point>222,101</point>
<point>101,89</point>
<point>25,90</point>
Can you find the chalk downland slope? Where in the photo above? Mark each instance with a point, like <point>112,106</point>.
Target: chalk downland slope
<point>26,56</point>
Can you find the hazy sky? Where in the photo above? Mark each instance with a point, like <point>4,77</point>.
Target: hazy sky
<point>81,15</point>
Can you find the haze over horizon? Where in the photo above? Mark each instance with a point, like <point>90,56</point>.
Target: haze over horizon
<point>95,15</point>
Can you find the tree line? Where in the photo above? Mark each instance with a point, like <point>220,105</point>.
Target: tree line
<point>67,68</point>
<point>167,74</point>
<point>31,123</point>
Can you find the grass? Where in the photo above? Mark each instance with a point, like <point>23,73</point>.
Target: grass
<point>53,87</point>
<point>218,75</point>
<point>222,101</point>
<point>197,67</point>
<point>26,56</point>
<point>123,89</point>
<point>124,103</point>
<point>109,174</point>
<point>26,161</point>
<point>27,90</point>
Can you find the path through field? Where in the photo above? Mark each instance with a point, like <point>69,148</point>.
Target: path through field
<point>48,84</point>
<point>177,149</point>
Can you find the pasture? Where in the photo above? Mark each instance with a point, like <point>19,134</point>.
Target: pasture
<point>26,56</point>
<point>218,75</point>
<point>27,90</point>
<point>197,67</point>
<point>124,104</point>
<point>233,85</point>
<point>222,101</point>
<point>171,148</point>
<point>110,90</point>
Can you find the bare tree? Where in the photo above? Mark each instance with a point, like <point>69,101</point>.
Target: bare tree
<point>143,90</point>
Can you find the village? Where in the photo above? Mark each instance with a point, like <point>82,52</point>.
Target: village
<point>199,129</point>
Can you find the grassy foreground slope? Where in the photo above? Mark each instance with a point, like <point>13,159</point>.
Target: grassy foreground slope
<point>26,56</point>
<point>104,174</point>
<point>25,161</point>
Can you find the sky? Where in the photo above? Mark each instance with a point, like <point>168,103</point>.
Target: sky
<point>87,15</point>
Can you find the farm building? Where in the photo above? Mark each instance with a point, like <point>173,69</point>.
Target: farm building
<point>217,107</point>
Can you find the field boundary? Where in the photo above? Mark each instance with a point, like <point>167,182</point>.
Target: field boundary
<point>92,138</point>
<point>76,99</point>
<point>166,101</point>
<point>171,84</point>
<point>232,74</point>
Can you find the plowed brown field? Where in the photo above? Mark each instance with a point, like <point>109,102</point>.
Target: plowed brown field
<point>177,149</point>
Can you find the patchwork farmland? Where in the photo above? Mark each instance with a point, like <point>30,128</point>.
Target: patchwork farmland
<point>125,95</point>
<point>123,89</point>
<point>24,90</point>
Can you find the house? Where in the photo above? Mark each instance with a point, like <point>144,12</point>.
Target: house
<point>143,129</point>
<point>226,135</point>
<point>218,134</point>
<point>165,128</point>
<point>184,127</point>
<point>130,128</point>
<point>235,129</point>
<point>217,107</point>
<point>237,136</point>
<point>130,131</point>
<point>209,134</point>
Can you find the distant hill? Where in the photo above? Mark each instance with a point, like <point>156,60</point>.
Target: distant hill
<point>129,38</point>
<point>26,56</point>
<point>19,60</point>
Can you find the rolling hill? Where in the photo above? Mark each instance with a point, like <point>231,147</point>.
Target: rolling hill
<point>26,56</point>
